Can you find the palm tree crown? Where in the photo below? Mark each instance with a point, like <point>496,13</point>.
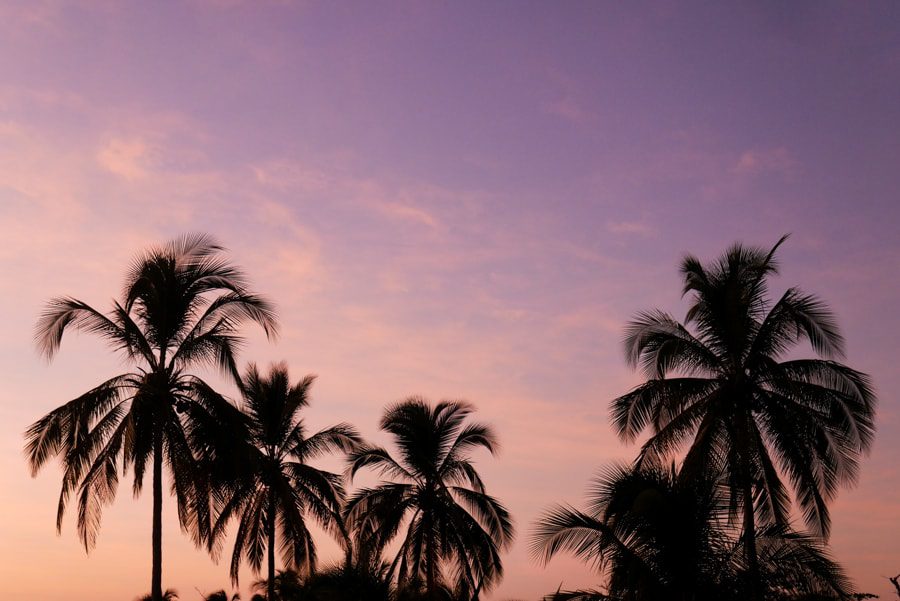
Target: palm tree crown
<point>170,594</point>
<point>654,539</point>
<point>278,486</point>
<point>660,537</point>
<point>450,519</point>
<point>287,585</point>
<point>746,409</point>
<point>182,307</point>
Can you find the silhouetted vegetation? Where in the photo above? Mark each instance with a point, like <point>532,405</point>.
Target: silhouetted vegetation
<point>738,435</point>
<point>347,582</point>
<point>222,596</point>
<point>450,519</point>
<point>181,308</point>
<point>285,586</point>
<point>276,487</point>
<point>720,391</point>
<point>657,536</point>
<point>168,595</point>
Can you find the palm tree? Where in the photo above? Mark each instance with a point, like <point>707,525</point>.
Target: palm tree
<point>169,595</point>
<point>349,582</point>
<point>793,565</point>
<point>578,595</point>
<point>653,538</point>
<point>656,536</point>
<point>437,492</point>
<point>182,306</point>
<point>221,596</point>
<point>278,486</point>
<point>741,404</point>
<point>287,585</point>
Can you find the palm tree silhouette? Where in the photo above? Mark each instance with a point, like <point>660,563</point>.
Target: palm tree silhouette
<point>182,306</point>
<point>653,538</point>
<point>349,582</point>
<point>656,536</point>
<point>745,409</point>
<point>287,585</point>
<point>221,596</point>
<point>451,518</point>
<point>170,594</point>
<point>278,486</point>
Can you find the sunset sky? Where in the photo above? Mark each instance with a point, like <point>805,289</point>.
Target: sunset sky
<point>451,199</point>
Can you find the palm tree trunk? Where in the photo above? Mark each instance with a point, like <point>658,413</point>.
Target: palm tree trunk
<point>429,561</point>
<point>156,592</point>
<point>271,544</point>
<point>750,544</point>
<point>742,438</point>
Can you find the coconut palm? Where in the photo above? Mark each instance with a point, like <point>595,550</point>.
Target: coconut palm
<point>449,518</point>
<point>658,537</point>
<point>278,488</point>
<point>651,537</point>
<point>221,596</point>
<point>793,565</point>
<point>182,306</point>
<point>170,594</point>
<point>578,595</point>
<point>349,582</point>
<point>743,406</point>
<point>287,585</point>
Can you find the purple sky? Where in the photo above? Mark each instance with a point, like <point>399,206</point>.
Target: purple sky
<point>447,199</point>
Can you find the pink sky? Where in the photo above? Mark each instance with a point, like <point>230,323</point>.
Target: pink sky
<point>459,200</point>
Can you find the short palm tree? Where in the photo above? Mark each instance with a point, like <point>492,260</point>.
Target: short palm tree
<point>170,594</point>
<point>653,538</point>
<point>349,582</point>
<point>742,405</point>
<point>656,536</point>
<point>287,585</point>
<point>578,595</point>
<point>182,306</point>
<point>221,596</point>
<point>278,487</point>
<point>436,492</point>
<point>793,565</point>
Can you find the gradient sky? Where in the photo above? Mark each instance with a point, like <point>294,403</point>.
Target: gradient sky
<point>458,200</point>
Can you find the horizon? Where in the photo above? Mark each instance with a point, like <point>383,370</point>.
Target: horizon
<point>463,201</point>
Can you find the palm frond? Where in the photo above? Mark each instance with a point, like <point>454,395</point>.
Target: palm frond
<point>64,312</point>
<point>657,343</point>
<point>342,438</point>
<point>379,459</point>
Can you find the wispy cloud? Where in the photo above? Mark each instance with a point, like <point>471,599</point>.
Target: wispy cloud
<point>570,109</point>
<point>287,175</point>
<point>129,159</point>
<point>634,228</point>
<point>567,102</point>
<point>773,160</point>
<point>30,13</point>
<point>408,212</point>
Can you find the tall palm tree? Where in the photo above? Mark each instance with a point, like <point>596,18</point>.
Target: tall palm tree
<point>658,537</point>
<point>436,491</point>
<point>278,487</point>
<point>741,403</point>
<point>182,306</point>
